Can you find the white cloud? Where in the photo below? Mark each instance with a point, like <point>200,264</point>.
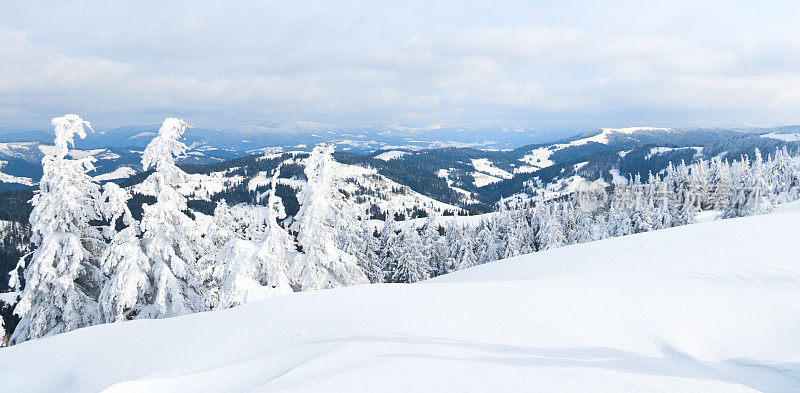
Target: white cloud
<point>249,62</point>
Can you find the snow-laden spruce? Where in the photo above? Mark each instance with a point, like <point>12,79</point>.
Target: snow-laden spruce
<point>359,240</point>
<point>171,239</point>
<point>61,280</point>
<point>128,289</point>
<point>411,264</point>
<point>487,249</point>
<point>551,231</point>
<point>323,264</point>
<point>255,267</point>
<point>276,248</point>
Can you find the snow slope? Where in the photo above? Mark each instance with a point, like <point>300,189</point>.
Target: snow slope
<point>539,158</point>
<point>391,155</point>
<point>119,173</point>
<point>794,137</point>
<point>662,149</point>
<point>710,307</point>
<point>482,179</point>
<point>487,173</point>
<point>487,167</point>
<point>366,187</point>
<point>6,178</point>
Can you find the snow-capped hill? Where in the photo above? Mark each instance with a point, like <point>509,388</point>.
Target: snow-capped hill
<point>119,173</point>
<point>11,179</point>
<point>391,155</point>
<point>791,137</point>
<point>487,173</point>
<point>364,187</point>
<point>21,166</point>
<point>631,130</point>
<point>143,134</point>
<point>289,127</point>
<point>540,157</point>
<point>302,126</point>
<point>709,307</point>
<point>661,150</point>
<point>748,249</point>
<point>18,149</point>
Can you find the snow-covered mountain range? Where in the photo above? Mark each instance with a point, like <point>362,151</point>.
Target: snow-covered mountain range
<point>428,161</point>
<point>297,133</point>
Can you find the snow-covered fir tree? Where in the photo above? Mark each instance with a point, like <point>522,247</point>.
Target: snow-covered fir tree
<point>127,289</point>
<point>619,220</point>
<point>235,275</point>
<point>689,193</point>
<point>642,205</point>
<point>226,226</point>
<point>759,193</point>
<point>644,216</point>
<point>367,251</point>
<point>719,184</point>
<point>662,217</point>
<point>434,245</point>
<point>519,238</point>
<point>411,264</point>
<point>231,253</point>
<point>699,184</point>
<point>551,232</point>
<point>466,250</point>
<point>358,239</point>
<point>276,249</point>
<point>63,278</point>
<point>241,221</point>
<point>487,249</point>
<point>388,246</point>
<point>172,240</point>
<point>585,228</point>
<point>253,263</point>
<point>322,263</point>
<point>781,177</point>
<point>568,219</point>
<point>454,244</point>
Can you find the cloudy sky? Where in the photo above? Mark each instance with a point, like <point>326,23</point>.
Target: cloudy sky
<point>545,64</point>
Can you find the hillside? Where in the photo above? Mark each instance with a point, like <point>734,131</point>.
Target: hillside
<point>710,307</point>
<point>472,176</point>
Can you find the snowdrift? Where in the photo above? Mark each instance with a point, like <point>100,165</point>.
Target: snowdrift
<point>711,307</point>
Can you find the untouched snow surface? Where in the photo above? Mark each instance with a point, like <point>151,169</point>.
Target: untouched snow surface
<point>710,307</point>
<point>661,150</point>
<point>487,173</point>
<point>482,179</point>
<point>794,137</point>
<point>487,167</point>
<point>391,155</point>
<point>119,173</point>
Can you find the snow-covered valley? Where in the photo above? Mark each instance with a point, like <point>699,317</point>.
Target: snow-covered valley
<point>710,307</point>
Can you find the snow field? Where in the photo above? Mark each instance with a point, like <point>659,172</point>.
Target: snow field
<point>710,307</point>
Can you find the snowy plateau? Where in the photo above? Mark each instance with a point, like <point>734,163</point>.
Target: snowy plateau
<point>708,307</point>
